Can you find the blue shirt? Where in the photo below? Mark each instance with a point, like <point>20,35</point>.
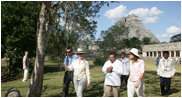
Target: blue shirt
<point>157,60</point>
<point>69,59</point>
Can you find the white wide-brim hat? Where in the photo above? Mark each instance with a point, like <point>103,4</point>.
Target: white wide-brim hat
<point>80,50</point>
<point>135,52</point>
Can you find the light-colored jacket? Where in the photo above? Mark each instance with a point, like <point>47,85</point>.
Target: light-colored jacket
<point>166,67</point>
<point>113,78</point>
<point>81,71</point>
<point>25,62</point>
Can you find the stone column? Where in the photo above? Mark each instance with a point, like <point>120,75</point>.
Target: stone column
<point>152,53</point>
<point>161,53</point>
<point>157,54</point>
<point>144,54</point>
<point>169,53</point>
<point>174,53</point>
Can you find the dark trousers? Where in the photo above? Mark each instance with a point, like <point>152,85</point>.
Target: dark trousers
<point>165,83</point>
<point>68,77</point>
<point>124,77</point>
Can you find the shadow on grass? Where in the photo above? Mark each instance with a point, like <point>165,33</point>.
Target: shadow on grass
<point>152,87</point>
<point>11,77</point>
<point>152,83</point>
<point>96,90</point>
<point>51,69</point>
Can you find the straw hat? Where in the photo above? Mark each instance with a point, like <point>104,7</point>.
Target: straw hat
<point>80,50</point>
<point>135,52</point>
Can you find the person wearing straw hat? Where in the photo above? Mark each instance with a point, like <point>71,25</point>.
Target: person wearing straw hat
<point>81,72</point>
<point>136,78</point>
<point>113,70</point>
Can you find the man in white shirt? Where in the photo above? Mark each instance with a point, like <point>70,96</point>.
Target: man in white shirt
<point>126,67</point>
<point>166,71</point>
<point>25,66</point>
<point>113,70</point>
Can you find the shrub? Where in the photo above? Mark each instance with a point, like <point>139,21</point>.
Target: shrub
<point>100,61</point>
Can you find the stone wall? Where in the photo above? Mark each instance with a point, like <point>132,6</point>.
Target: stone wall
<point>155,49</point>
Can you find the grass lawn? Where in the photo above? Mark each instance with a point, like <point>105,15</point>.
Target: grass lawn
<point>53,81</point>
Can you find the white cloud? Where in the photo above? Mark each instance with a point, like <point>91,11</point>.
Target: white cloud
<point>170,31</point>
<point>173,30</point>
<point>116,13</point>
<point>147,15</point>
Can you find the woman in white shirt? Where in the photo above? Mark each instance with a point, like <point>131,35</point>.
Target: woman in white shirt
<point>81,72</point>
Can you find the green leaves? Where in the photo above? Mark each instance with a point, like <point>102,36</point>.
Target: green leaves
<point>18,31</point>
<point>176,38</point>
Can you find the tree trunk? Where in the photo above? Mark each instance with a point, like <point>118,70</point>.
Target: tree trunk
<point>45,27</point>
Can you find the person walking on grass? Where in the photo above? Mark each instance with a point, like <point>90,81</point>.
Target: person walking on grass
<point>25,66</point>
<point>81,72</point>
<point>68,75</point>
<point>126,67</point>
<point>136,78</point>
<point>166,71</point>
<point>158,59</point>
<point>113,70</point>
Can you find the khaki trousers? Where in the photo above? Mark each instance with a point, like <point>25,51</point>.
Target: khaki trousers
<point>25,75</point>
<point>108,89</point>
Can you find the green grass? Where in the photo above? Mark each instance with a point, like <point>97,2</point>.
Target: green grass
<point>53,81</point>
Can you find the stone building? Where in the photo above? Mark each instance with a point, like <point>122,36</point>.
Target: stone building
<point>135,28</point>
<point>153,50</point>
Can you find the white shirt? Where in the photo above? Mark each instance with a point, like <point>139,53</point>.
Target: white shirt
<point>126,66</point>
<point>81,71</point>
<point>113,78</point>
<point>25,62</point>
<point>166,67</point>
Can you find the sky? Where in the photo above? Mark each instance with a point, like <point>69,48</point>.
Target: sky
<point>163,18</point>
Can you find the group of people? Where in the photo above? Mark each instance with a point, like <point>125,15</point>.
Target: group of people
<point>115,70</point>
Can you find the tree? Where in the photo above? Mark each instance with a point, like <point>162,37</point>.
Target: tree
<point>146,40</point>
<point>74,26</point>
<point>135,43</point>
<point>18,31</point>
<point>176,38</point>
<point>45,26</point>
<point>113,38</point>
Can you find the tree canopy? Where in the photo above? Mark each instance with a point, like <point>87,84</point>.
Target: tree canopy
<point>18,30</point>
<point>176,38</point>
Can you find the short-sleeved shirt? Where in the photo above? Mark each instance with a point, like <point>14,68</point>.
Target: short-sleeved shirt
<point>136,69</point>
<point>113,78</point>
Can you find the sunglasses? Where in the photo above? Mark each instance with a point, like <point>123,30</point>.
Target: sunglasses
<point>68,52</point>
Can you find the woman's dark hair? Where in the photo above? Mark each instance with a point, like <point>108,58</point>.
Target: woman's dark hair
<point>135,57</point>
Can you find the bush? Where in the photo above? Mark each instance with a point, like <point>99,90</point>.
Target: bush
<point>100,61</point>
<point>54,59</point>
